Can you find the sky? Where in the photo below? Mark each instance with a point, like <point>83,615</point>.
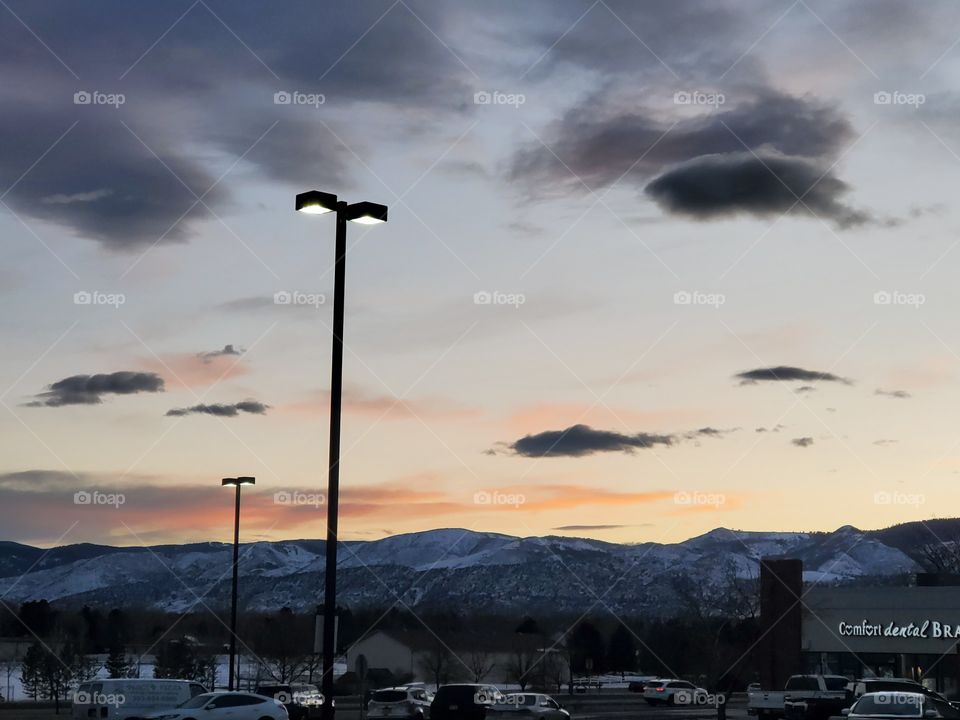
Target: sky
<point>650,268</point>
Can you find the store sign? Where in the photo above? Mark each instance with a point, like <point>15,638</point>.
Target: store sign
<point>931,629</point>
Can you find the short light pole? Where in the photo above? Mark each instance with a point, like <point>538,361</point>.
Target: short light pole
<point>315,202</point>
<point>237,482</point>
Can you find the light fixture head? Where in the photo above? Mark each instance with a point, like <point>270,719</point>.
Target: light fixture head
<point>367,213</point>
<point>314,202</point>
<point>246,480</point>
<point>228,481</point>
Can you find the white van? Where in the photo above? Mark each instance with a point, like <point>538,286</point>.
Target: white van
<point>130,698</point>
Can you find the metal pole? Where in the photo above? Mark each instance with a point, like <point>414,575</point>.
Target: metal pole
<point>233,602</point>
<point>333,471</point>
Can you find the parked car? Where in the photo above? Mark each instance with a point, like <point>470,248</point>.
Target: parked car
<point>464,701</point>
<point>225,706</point>
<point>530,705</point>
<point>871,685</point>
<point>400,702</point>
<point>301,700</point>
<point>897,705</point>
<point>672,692</point>
<point>122,698</point>
<point>804,697</point>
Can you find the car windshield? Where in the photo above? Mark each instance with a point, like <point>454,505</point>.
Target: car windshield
<point>835,683</point>
<point>198,701</point>
<point>390,696</point>
<point>895,704</point>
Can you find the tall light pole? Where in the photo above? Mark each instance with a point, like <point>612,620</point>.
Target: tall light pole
<point>237,482</point>
<point>315,202</point>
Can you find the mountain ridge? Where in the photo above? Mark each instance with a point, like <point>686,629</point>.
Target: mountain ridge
<point>454,566</point>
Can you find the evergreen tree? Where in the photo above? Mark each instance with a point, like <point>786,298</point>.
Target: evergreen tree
<point>32,675</point>
<point>118,664</point>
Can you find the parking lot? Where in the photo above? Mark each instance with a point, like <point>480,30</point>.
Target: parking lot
<point>603,706</point>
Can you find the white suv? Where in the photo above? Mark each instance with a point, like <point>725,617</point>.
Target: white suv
<point>400,702</point>
<point>672,692</point>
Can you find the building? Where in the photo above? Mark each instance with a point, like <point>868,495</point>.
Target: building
<point>491,657</point>
<point>883,631</point>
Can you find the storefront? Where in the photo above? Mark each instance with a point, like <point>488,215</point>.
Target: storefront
<point>910,632</point>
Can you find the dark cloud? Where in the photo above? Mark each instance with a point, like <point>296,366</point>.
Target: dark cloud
<point>899,394</point>
<point>600,146</point>
<point>776,428</point>
<point>581,440</point>
<point>200,99</point>
<point>805,389</point>
<point>222,410</point>
<point>787,373</point>
<point>802,441</point>
<point>227,350</point>
<point>708,432</point>
<point>90,389</point>
<point>757,184</point>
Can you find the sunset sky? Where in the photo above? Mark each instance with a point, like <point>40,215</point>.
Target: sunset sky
<point>650,268</point>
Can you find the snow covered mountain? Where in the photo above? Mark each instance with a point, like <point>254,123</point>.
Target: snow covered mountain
<point>442,568</point>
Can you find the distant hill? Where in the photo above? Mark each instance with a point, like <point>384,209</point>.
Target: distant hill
<point>457,568</point>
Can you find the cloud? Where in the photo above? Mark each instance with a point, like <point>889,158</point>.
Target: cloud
<point>884,441</point>
<point>805,389</point>
<point>90,389</point>
<point>597,527</point>
<point>601,145</point>
<point>708,432</point>
<point>227,350</point>
<point>776,428</point>
<point>222,410</point>
<point>191,120</point>
<point>581,440</point>
<point>762,185</point>
<point>802,441</point>
<point>787,373</point>
<point>900,394</point>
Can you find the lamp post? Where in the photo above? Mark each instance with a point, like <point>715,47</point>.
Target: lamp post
<point>237,482</point>
<point>315,202</point>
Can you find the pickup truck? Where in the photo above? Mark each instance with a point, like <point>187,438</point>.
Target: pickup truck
<point>805,697</point>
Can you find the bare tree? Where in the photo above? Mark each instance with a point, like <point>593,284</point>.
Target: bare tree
<point>942,556</point>
<point>522,662</point>
<point>481,663</point>
<point>435,663</point>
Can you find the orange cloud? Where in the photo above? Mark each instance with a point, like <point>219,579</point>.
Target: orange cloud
<point>360,402</point>
<point>185,370</point>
